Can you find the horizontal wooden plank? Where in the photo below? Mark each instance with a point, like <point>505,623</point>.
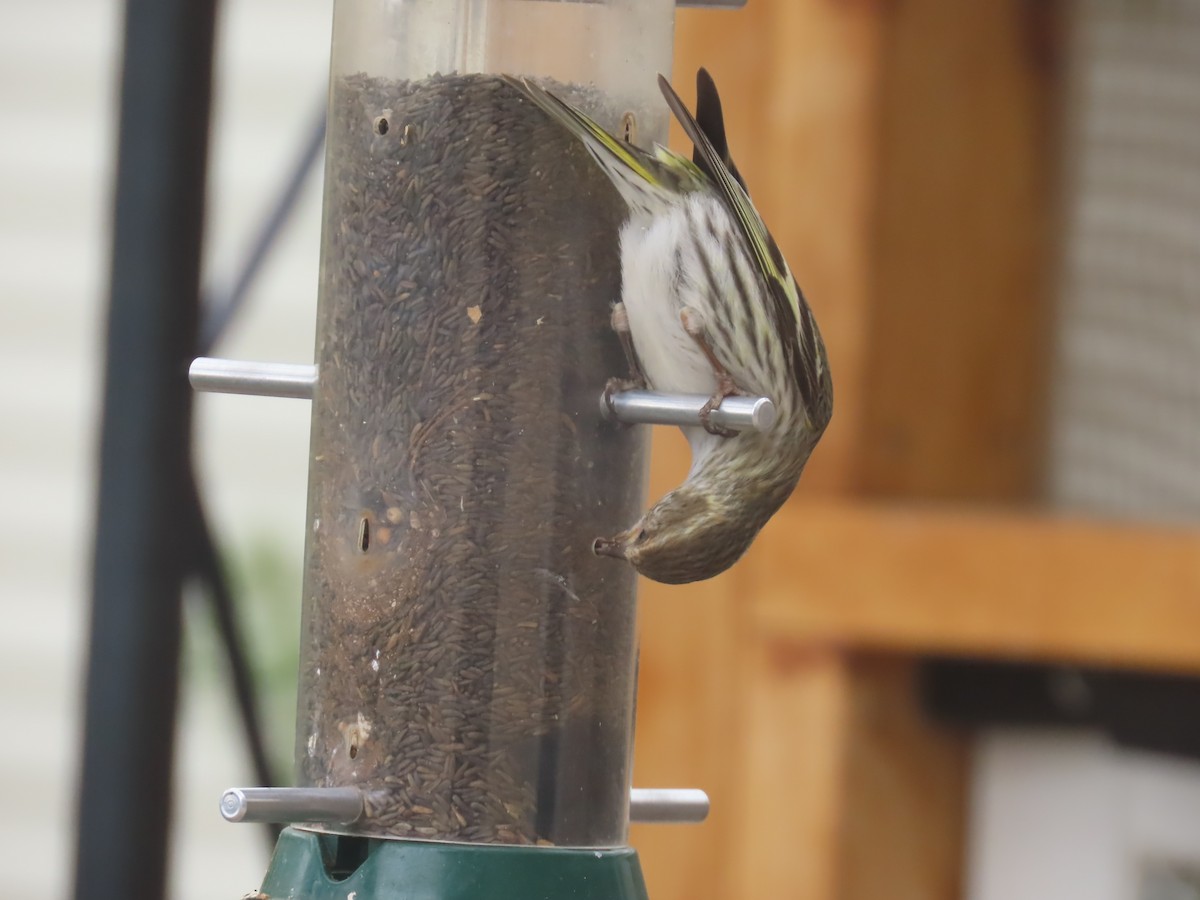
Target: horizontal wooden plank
<point>912,579</point>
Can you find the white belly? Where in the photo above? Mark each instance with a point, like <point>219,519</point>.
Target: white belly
<point>653,295</point>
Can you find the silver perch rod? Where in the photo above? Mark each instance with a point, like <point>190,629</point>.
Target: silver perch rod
<point>652,408</point>
<point>342,806</point>
<point>231,376</point>
<point>260,379</point>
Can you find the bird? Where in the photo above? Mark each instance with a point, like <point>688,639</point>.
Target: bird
<point>708,306</point>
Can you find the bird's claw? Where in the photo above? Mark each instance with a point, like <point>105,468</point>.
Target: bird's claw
<point>706,411</point>
<point>620,324</point>
<point>725,388</point>
<point>693,324</point>
<point>619,386</point>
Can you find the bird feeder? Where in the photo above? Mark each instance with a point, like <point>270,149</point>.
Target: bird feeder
<point>467,664</point>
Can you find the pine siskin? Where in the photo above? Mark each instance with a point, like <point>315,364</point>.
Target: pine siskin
<point>710,307</point>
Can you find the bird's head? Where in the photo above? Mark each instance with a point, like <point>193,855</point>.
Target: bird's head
<point>687,536</point>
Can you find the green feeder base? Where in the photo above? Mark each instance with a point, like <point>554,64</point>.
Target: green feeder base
<point>311,866</point>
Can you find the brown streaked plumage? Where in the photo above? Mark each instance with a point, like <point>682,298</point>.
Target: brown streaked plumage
<point>711,307</point>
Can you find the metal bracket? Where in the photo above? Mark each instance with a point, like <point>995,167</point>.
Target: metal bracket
<point>344,805</point>
<point>230,376</point>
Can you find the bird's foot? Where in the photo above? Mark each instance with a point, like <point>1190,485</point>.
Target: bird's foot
<point>693,324</point>
<point>725,388</point>
<point>620,324</point>
<point>619,386</point>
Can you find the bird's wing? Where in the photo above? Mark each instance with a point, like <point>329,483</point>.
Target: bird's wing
<point>793,320</point>
<point>592,135</point>
<point>711,121</point>
<point>762,245</point>
<point>633,171</point>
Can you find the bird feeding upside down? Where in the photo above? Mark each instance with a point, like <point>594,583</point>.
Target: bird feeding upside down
<point>708,306</point>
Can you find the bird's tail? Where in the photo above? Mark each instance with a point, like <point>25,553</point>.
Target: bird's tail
<point>636,175</point>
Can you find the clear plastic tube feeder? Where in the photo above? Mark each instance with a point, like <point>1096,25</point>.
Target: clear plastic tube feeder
<point>466,660</point>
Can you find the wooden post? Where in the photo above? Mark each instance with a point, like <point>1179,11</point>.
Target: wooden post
<point>903,155</point>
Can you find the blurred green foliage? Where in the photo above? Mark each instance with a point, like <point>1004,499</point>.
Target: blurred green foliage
<point>265,578</point>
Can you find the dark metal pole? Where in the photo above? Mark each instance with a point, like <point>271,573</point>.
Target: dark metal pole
<point>143,541</point>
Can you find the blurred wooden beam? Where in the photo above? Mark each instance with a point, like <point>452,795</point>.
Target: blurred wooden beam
<point>792,776</point>
<point>846,791</point>
<point>981,584</point>
<point>954,385</point>
<point>903,810</point>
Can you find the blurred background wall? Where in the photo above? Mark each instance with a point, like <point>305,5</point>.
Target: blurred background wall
<point>60,66</point>
<point>994,210</point>
<point>960,663</point>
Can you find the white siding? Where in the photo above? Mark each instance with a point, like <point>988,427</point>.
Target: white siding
<point>58,83</point>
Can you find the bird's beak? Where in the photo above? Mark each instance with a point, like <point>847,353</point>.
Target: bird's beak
<point>614,547</point>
